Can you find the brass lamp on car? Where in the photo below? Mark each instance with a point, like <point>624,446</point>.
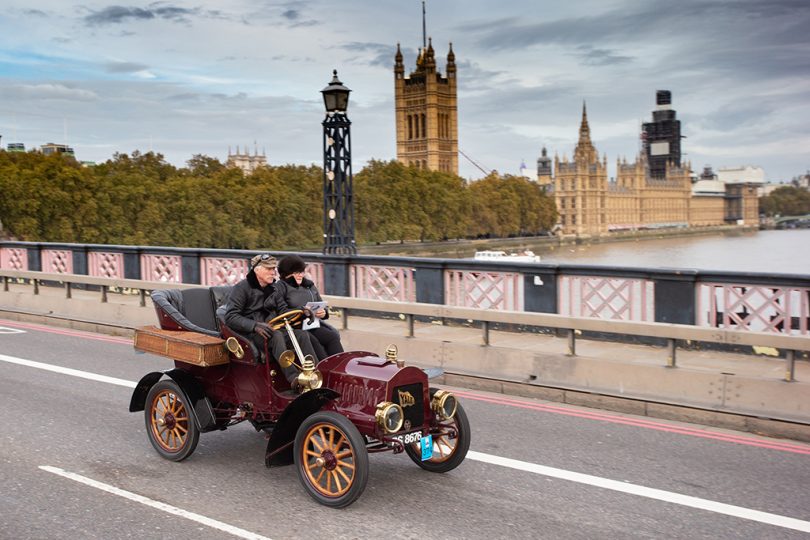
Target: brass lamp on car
<point>233,346</point>
<point>389,416</point>
<point>309,378</point>
<point>444,404</point>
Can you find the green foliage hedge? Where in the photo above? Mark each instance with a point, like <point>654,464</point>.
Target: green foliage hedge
<point>143,200</point>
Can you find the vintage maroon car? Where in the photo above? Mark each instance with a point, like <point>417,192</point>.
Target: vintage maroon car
<point>349,405</point>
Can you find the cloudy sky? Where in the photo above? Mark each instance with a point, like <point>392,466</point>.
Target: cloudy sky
<point>195,77</point>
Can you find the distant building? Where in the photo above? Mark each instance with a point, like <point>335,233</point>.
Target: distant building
<point>661,138</point>
<point>590,205</point>
<point>53,148</point>
<point>245,161</point>
<point>544,171</point>
<point>16,147</point>
<point>708,173</point>
<point>741,174</point>
<point>427,112</point>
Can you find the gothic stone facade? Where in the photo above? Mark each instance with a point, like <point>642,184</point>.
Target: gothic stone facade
<point>427,112</point>
<point>590,205</point>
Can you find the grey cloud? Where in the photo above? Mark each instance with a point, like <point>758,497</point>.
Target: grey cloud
<point>121,14</point>
<point>375,54</point>
<point>291,14</point>
<point>124,67</point>
<point>35,13</point>
<point>601,57</point>
<point>295,18</point>
<point>661,19</point>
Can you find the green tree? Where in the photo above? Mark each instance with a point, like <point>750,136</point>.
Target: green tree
<point>786,201</point>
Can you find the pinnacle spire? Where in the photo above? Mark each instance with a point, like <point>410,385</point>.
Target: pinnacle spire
<point>585,150</point>
<point>584,128</point>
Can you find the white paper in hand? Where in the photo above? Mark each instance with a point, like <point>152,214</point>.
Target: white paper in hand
<point>315,323</point>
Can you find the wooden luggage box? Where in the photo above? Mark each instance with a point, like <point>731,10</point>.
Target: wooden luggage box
<point>189,347</point>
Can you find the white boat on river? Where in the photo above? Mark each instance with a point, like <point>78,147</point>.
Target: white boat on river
<point>502,256</point>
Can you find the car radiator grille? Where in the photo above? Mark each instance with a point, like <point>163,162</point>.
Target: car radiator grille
<point>411,398</point>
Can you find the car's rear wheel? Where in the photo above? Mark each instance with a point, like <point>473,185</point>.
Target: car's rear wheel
<point>448,453</point>
<point>170,422</point>
<point>331,459</point>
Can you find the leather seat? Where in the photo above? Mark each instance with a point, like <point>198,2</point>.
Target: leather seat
<point>187,309</point>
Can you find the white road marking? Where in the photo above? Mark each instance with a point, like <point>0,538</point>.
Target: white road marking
<point>7,330</point>
<point>641,491</point>
<point>213,523</point>
<point>623,487</point>
<point>68,371</point>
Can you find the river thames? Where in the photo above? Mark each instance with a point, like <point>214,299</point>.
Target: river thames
<point>783,252</point>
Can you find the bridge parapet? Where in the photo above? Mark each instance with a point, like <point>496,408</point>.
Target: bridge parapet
<point>726,300</point>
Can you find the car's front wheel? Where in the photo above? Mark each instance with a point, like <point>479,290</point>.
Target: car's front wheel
<point>447,452</point>
<point>331,459</point>
<point>170,421</point>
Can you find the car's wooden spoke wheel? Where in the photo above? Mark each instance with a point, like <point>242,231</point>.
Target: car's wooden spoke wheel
<point>443,448</point>
<point>448,453</point>
<point>331,458</point>
<point>170,421</point>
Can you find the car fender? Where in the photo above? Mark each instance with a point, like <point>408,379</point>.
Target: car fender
<point>193,393</point>
<point>279,447</point>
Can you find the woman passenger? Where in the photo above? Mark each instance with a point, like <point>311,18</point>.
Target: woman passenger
<point>297,290</point>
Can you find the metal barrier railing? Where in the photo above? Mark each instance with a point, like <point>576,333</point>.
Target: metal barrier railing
<point>571,326</point>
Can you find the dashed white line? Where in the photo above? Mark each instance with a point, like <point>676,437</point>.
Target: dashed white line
<point>68,371</point>
<point>213,523</point>
<point>7,330</point>
<point>650,493</point>
<point>623,487</point>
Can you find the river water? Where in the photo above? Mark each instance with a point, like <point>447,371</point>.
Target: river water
<point>782,252</point>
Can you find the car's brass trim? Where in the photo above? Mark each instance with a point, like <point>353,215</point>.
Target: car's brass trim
<point>439,401</point>
<point>232,344</point>
<point>382,411</point>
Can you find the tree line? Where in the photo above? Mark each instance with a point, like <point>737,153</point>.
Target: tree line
<point>140,199</point>
<point>786,201</point>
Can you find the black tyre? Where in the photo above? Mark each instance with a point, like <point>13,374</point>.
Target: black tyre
<point>170,422</point>
<point>331,459</point>
<point>447,453</point>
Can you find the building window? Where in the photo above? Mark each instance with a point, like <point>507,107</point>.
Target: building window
<point>410,127</point>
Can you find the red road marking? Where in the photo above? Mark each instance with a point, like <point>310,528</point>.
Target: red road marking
<point>639,422</point>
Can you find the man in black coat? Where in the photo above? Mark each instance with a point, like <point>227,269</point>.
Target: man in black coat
<point>253,301</point>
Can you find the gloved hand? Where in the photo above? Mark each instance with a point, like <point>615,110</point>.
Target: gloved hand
<point>263,329</point>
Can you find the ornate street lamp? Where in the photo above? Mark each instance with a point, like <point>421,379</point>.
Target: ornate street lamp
<point>338,209</point>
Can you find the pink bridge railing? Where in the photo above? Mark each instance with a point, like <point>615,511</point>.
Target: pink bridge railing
<point>105,264</point>
<point>14,258</point>
<point>485,290</point>
<point>622,299</point>
<point>390,283</point>
<point>57,261</point>
<point>760,308</point>
<point>729,300</point>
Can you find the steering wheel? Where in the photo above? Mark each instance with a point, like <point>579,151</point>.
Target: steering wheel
<point>293,317</point>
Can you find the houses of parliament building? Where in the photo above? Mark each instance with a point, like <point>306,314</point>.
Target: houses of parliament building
<point>654,192</point>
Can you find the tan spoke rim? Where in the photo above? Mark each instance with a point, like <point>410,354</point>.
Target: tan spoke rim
<point>328,459</point>
<point>169,421</point>
<point>443,448</point>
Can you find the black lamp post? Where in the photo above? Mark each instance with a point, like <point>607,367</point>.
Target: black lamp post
<point>338,210</point>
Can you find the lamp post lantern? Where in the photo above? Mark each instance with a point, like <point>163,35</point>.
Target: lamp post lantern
<point>338,208</point>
